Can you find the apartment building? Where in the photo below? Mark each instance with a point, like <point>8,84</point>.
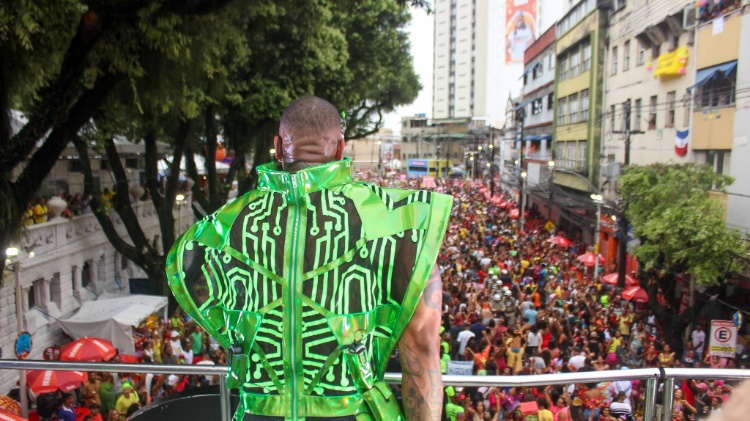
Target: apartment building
<point>580,50</point>
<point>650,68</point>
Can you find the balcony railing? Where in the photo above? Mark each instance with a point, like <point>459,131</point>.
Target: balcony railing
<point>652,376</point>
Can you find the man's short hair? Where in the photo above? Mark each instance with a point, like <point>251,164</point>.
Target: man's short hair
<point>311,116</point>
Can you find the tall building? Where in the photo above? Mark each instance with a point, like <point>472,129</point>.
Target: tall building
<point>460,76</point>
<point>479,50</point>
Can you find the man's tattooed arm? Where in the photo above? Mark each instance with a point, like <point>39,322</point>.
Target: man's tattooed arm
<point>419,351</point>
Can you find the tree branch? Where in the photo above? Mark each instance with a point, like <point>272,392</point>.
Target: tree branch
<point>122,198</point>
<point>131,252</point>
<point>198,193</point>
<point>56,99</point>
<point>42,161</point>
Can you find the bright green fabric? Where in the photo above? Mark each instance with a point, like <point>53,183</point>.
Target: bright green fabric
<point>299,272</point>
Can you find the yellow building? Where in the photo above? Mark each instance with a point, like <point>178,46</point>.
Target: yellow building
<point>580,51</point>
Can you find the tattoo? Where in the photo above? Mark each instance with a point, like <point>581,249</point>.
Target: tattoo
<point>422,389</point>
<point>433,292</point>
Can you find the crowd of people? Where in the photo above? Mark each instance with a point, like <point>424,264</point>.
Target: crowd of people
<point>513,304</point>
<point>711,9</point>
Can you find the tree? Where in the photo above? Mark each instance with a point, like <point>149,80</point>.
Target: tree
<point>68,56</point>
<point>681,229</point>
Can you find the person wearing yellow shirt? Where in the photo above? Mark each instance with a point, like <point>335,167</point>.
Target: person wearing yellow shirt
<point>28,215</point>
<point>612,346</point>
<point>40,212</point>
<point>127,399</point>
<point>543,414</point>
<point>625,322</point>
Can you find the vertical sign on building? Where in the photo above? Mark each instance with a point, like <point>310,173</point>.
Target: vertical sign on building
<point>520,27</point>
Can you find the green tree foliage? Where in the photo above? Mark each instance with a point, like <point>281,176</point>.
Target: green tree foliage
<point>680,225</point>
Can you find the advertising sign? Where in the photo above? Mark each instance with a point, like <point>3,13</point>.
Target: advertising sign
<point>672,64</point>
<point>520,28</point>
<point>459,368</point>
<point>723,340</point>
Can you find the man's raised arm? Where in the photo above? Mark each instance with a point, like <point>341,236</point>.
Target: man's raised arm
<point>419,351</point>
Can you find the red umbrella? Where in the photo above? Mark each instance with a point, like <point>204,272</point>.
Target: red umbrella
<point>560,241</point>
<point>636,294</point>
<point>48,381</point>
<point>10,405</point>
<point>9,416</point>
<point>88,349</point>
<point>588,259</point>
<point>613,277</point>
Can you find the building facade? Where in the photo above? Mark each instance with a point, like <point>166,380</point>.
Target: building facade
<point>738,201</point>
<point>580,49</point>
<point>651,66</point>
<point>72,262</point>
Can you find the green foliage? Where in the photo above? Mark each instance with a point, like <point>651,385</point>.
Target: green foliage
<point>680,225</point>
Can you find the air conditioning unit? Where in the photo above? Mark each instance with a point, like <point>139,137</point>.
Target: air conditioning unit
<point>690,17</point>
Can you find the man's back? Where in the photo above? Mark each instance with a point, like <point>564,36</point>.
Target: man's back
<point>316,278</point>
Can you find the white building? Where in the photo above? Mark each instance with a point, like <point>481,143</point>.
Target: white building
<point>73,262</point>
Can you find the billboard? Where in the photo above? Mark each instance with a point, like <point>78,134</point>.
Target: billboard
<point>520,28</point>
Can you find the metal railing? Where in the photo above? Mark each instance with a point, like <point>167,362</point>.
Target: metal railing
<point>652,376</point>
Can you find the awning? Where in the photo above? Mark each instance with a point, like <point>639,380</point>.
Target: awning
<point>535,138</point>
<point>706,75</point>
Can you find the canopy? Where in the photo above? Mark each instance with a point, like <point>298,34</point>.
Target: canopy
<point>708,74</point>
<point>113,319</point>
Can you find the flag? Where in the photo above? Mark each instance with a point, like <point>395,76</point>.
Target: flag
<point>681,142</point>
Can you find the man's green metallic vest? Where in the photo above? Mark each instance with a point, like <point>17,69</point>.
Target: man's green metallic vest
<point>314,277</point>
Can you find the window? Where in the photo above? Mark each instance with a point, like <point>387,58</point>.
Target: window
<point>561,153</point>
<point>614,60</point>
<point>551,59</point>
<point>538,70</point>
<point>585,105</point>
<point>671,99</point>
<point>573,106</point>
<point>572,155</point>
<point>586,53</point>
<point>719,160</point>
<point>550,101</point>
<point>562,111</point>
<point>638,114</point>
<point>612,117</point>
<point>563,68</point>
<point>581,156</point>
<point>536,106</point>
<point>652,113</point>
<point>719,91</point>
<point>625,123</point>
<point>626,56</point>
<point>575,59</point>
<point>641,55</point>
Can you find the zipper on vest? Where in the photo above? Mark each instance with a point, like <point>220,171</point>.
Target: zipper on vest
<point>293,301</point>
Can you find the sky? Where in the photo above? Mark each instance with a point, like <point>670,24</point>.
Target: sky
<point>421,33</point>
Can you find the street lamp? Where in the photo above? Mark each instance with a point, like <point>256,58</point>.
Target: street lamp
<point>380,154</point>
<point>10,253</point>
<point>272,151</point>
<point>598,199</point>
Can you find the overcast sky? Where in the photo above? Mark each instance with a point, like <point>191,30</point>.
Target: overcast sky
<point>421,34</point>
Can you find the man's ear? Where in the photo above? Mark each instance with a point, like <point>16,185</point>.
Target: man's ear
<point>340,150</point>
<point>277,147</point>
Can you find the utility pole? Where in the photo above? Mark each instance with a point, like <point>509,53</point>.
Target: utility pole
<point>623,220</point>
<point>492,161</point>
<point>520,118</point>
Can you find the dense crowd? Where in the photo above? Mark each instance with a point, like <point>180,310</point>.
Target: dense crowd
<point>712,9</point>
<point>513,304</point>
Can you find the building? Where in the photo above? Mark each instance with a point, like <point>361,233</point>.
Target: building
<point>381,150</point>
<point>72,262</point>
<point>579,81</point>
<point>719,98</point>
<point>539,108</point>
<point>473,73</point>
<point>580,49</point>
<point>460,63</point>
<point>739,192</point>
<point>650,68</point>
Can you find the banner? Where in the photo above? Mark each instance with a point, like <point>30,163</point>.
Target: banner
<point>672,64</point>
<point>681,142</point>
<point>723,340</point>
<point>460,368</point>
<point>520,28</point>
